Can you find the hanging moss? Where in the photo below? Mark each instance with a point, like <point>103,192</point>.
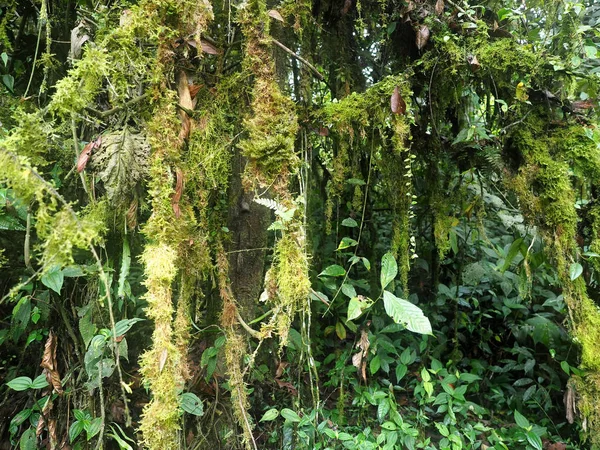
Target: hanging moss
<point>272,127</point>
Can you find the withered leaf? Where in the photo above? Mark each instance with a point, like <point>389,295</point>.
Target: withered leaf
<point>178,191</point>
<point>422,36</point>
<point>49,363</point>
<point>207,47</point>
<point>185,100</point>
<point>359,360</point>
<point>78,38</point>
<point>439,7</point>
<point>194,88</point>
<point>397,103</point>
<point>286,384</point>
<point>275,15</point>
<point>163,359</point>
<point>569,401</point>
<point>131,215</point>
<point>87,151</point>
<point>473,62</point>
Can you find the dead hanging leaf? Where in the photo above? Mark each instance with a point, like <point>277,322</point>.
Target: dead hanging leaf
<point>275,15</point>
<point>185,101</point>
<point>439,7</point>
<point>131,215</point>
<point>397,103</point>
<point>569,401</point>
<point>209,48</point>
<point>422,36</point>
<point>87,151</point>
<point>346,8</point>
<point>163,359</point>
<point>79,37</point>
<point>177,195</point>
<point>49,363</point>
<point>287,385</point>
<point>359,360</point>
<point>121,163</point>
<point>473,62</point>
<point>280,368</point>
<point>194,88</point>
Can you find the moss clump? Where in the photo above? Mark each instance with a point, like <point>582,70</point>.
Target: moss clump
<point>272,128</point>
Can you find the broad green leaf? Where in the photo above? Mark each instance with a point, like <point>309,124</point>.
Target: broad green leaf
<point>382,410</point>
<point>348,290</point>
<point>40,382</point>
<point>575,270</point>
<point>75,430</point>
<point>349,222</point>
<point>389,269</point>
<point>80,415</point>
<point>20,317</point>
<point>93,428</point>
<point>346,243</point>
<point>404,312</point>
<point>123,445</point>
<point>123,326</point>
<point>125,264</point>
<point>340,330</point>
<point>54,279</point>
<point>534,440</point>
<point>375,364</point>
<point>191,404</point>
<point>513,251</point>
<point>28,440</point>
<point>521,421</point>
<point>4,57</point>
<point>355,308</point>
<point>20,383</point>
<point>355,181</point>
<point>334,270</point>
<point>20,417</point>
<point>290,415</point>
<point>271,414</point>
<point>401,370</point>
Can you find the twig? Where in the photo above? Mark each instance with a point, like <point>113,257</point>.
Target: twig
<point>313,69</point>
<point>252,332</point>
<point>503,130</point>
<point>116,109</point>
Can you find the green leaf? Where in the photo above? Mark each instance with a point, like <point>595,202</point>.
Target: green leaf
<point>9,82</point>
<point>123,326</point>
<point>4,57</point>
<point>534,440</point>
<point>271,414</point>
<point>20,417</point>
<point>290,415</point>
<point>382,410</point>
<point>512,253</point>
<point>334,270</point>
<point>575,271</point>
<point>346,243</point>
<point>28,440</point>
<point>75,430</point>
<point>125,264</point>
<point>564,365</point>
<point>349,222</point>
<point>355,181</point>
<point>355,308</point>
<point>404,312</point>
<point>191,404</point>
<point>348,290</point>
<point>375,364</point>
<point>123,445</point>
<point>521,421</point>
<point>53,279</point>
<point>20,383</point>
<point>40,382</point>
<point>80,415</point>
<point>389,269</point>
<point>340,330</point>
<point>93,428</point>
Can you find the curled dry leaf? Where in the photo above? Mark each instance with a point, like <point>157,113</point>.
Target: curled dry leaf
<point>194,88</point>
<point>473,62</point>
<point>163,359</point>
<point>131,215</point>
<point>207,47</point>
<point>49,363</point>
<point>177,195</point>
<point>275,15</point>
<point>397,103</point>
<point>569,401</point>
<point>87,151</point>
<point>422,36</point>
<point>359,360</point>
<point>78,38</point>
<point>439,7</point>
<point>185,100</point>
<point>287,385</point>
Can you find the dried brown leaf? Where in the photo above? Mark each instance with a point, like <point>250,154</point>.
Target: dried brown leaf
<point>49,363</point>
<point>280,368</point>
<point>439,7</point>
<point>162,360</point>
<point>185,101</point>
<point>397,103</point>
<point>569,401</point>
<point>422,36</point>
<point>87,151</point>
<point>209,48</point>
<point>287,385</point>
<point>275,15</point>
<point>131,215</point>
<point>194,88</point>
<point>178,192</point>
<point>473,62</point>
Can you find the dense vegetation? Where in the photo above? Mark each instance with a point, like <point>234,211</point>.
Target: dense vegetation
<point>299,224</point>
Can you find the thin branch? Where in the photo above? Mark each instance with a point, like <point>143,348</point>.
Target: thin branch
<point>313,69</point>
<point>515,123</point>
<point>110,112</point>
<point>252,332</point>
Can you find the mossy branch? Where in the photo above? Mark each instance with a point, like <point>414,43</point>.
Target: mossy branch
<point>116,109</point>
